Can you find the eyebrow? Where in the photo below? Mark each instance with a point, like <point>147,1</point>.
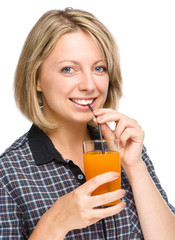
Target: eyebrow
<point>76,62</point>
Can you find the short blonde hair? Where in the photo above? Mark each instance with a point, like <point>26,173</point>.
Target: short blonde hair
<point>39,44</point>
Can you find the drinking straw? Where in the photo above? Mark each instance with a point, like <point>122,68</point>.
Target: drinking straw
<point>99,130</point>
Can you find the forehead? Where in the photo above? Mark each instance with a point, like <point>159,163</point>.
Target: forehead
<point>77,44</point>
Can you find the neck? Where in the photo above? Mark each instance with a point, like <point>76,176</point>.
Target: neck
<point>67,139</point>
<point>69,134</point>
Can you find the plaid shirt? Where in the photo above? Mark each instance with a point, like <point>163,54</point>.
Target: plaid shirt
<point>33,175</point>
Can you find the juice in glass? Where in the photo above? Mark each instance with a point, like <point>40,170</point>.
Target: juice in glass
<point>96,162</point>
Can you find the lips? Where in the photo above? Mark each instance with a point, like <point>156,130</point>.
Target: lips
<point>82,102</point>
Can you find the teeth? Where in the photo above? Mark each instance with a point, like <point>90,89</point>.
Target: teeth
<point>83,101</point>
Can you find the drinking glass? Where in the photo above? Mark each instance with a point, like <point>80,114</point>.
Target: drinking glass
<point>101,156</point>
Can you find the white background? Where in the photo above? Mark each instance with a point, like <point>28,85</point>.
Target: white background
<point>145,33</point>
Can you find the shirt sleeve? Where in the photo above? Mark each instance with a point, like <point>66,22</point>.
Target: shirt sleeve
<point>11,221</point>
<point>154,177</point>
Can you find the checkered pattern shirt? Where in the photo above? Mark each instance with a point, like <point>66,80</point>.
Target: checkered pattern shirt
<point>33,175</point>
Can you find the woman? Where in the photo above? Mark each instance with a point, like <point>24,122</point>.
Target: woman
<point>70,60</point>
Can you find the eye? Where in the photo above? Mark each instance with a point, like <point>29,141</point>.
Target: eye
<point>100,69</point>
<point>67,70</point>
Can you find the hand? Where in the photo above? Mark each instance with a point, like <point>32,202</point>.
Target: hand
<point>127,131</point>
<point>77,209</point>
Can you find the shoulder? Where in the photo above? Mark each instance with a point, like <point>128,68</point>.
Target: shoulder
<point>15,146</point>
<point>13,155</point>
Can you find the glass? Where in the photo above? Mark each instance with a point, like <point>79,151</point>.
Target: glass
<point>97,162</point>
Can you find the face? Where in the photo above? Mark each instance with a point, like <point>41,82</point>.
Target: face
<point>72,76</point>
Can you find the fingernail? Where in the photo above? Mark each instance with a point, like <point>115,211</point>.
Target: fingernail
<point>116,175</point>
<point>99,119</point>
<point>123,192</point>
<point>123,204</point>
<point>94,119</point>
<point>95,111</point>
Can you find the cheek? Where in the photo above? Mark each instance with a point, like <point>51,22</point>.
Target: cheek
<point>50,85</point>
<point>104,86</point>
<point>56,89</point>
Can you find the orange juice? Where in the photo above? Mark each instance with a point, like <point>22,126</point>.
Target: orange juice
<point>96,163</point>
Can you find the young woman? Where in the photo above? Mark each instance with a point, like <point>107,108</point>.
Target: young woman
<point>70,60</point>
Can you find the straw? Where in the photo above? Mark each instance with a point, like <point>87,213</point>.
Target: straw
<point>99,130</point>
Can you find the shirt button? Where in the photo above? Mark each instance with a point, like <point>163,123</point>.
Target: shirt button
<point>80,176</point>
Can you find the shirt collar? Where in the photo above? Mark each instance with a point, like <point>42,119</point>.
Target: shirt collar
<point>42,148</point>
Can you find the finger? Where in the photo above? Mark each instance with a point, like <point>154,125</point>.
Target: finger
<point>125,123</point>
<point>92,184</point>
<point>133,134</point>
<point>122,121</point>
<point>110,211</point>
<point>108,116</point>
<point>109,197</point>
<point>97,214</point>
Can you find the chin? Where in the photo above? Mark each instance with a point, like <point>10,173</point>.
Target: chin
<point>82,120</point>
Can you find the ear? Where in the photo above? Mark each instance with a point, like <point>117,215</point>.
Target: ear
<point>38,86</point>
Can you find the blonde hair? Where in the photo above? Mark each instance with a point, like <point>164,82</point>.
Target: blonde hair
<point>39,44</point>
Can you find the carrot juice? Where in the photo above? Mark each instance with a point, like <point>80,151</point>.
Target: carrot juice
<point>96,162</point>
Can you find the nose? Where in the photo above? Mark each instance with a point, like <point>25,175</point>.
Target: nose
<point>87,82</point>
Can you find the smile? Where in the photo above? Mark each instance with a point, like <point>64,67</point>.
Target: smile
<point>83,102</point>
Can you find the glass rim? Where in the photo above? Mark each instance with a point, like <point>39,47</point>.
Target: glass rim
<point>99,140</point>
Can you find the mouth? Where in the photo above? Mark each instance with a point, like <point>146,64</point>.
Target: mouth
<point>83,102</point>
